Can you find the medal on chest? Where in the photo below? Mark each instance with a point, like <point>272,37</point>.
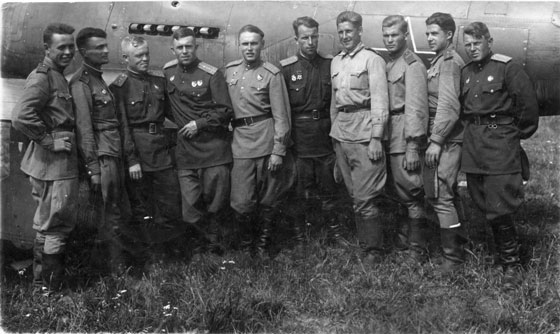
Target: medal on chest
<point>490,78</point>
<point>259,77</point>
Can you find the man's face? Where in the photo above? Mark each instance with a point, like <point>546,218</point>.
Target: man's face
<point>307,40</point>
<point>394,39</point>
<point>185,50</point>
<point>61,50</point>
<point>138,58</point>
<point>349,35</point>
<point>251,45</point>
<point>477,48</point>
<point>437,38</point>
<point>96,51</point>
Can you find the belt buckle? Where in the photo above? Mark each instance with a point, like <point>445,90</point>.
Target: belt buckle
<point>315,114</point>
<point>152,128</point>
<point>248,121</point>
<point>492,124</point>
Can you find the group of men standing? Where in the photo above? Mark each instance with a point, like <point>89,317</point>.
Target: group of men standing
<point>247,135</point>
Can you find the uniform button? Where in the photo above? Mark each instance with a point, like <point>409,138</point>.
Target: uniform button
<point>242,87</point>
<point>297,89</point>
<point>491,91</point>
<point>476,95</point>
<point>243,78</point>
<point>132,102</point>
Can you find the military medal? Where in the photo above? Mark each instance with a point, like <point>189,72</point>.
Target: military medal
<point>156,86</point>
<point>299,77</point>
<point>193,83</point>
<point>199,82</point>
<point>259,77</point>
<point>490,78</point>
<point>294,78</point>
<point>172,78</point>
<point>103,91</point>
<point>468,80</point>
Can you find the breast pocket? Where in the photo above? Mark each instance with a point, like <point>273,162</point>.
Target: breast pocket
<point>134,103</point>
<point>63,99</point>
<point>196,93</point>
<point>335,77</point>
<point>102,104</point>
<point>359,80</point>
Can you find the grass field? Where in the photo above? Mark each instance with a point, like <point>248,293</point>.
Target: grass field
<point>321,289</point>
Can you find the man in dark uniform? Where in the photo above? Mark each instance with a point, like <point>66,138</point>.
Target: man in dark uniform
<point>202,109</point>
<point>46,116</point>
<point>152,185</point>
<point>99,141</point>
<point>263,169</point>
<point>500,108</point>
<point>408,126</point>
<point>308,79</point>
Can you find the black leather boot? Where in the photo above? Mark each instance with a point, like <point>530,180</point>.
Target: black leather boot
<point>507,246</point>
<point>53,271</point>
<point>417,240</point>
<point>266,224</point>
<point>245,232</point>
<point>370,237</point>
<point>38,247</point>
<point>452,242</point>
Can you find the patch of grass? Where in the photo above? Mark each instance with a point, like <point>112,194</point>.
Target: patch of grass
<point>320,289</point>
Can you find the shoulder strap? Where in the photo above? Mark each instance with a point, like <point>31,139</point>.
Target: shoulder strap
<point>170,64</point>
<point>289,61</point>
<point>120,80</point>
<point>207,68</point>
<point>409,57</point>
<point>42,68</point>
<point>501,58</point>
<point>271,68</point>
<point>234,63</point>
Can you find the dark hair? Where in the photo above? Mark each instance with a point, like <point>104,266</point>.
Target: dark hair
<point>306,21</point>
<point>183,32</point>
<point>392,20</point>
<point>88,33</point>
<point>56,28</point>
<point>349,16</point>
<point>477,30</point>
<point>250,28</point>
<point>444,21</point>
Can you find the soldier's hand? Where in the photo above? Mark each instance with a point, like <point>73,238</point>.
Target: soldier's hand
<point>337,173</point>
<point>432,155</point>
<point>274,163</point>
<point>135,172</point>
<point>96,183</point>
<point>375,149</point>
<point>62,145</point>
<point>411,160</point>
<point>190,130</point>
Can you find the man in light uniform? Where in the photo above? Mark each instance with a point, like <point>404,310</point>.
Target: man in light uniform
<point>500,108</point>
<point>359,121</point>
<point>263,169</point>
<point>408,125</point>
<point>46,116</point>
<point>443,155</point>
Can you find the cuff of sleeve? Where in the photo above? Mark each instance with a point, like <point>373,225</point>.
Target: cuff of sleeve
<point>93,168</point>
<point>201,123</point>
<point>46,141</point>
<point>132,161</point>
<point>437,139</point>
<point>412,145</point>
<point>377,132</point>
<point>279,149</point>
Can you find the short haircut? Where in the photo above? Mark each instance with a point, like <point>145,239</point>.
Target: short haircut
<point>349,16</point>
<point>444,21</point>
<point>305,21</point>
<point>132,42</point>
<point>392,20</point>
<point>88,33</point>
<point>250,28</point>
<point>477,30</point>
<point>183,32</point>
<point>56,28</point>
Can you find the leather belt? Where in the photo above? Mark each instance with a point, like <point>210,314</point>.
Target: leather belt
<point>349,109</point>
<point>492,120</point>
<point>314,115</point>
<point>152,127</point>
<point>246,121</point>
<point>62,129</point>
<point>399,111</point>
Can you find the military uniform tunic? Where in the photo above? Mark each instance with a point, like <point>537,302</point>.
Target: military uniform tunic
<point>99,141</point>
<point>43,113</point>
<point>408,126</point>
<point>445,129</point>
<point>309,88</point>
<point>255,90</point>
<point>499,108</point>
<point>140,99</point>
<point>198,93</point>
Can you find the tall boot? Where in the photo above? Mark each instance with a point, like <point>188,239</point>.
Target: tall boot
<point>299,230</point>
<point>370,237</point>
<point>53,271</point>
<point>452,242</point>
<point>417,240</point>
<point>38,246</point>
<point>335,229</point>
<point>266,224</point>
<point>213,237</point>
<point>245,231</point>
<point>403,230</point>
<point>507,245</point>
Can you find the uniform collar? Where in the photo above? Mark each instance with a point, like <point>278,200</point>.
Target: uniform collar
<point>398,55</point>
<point>484,61</point>
<point>252,65</point>
<point>189,67</point>
<point>93,70</point>
<point>450,47</point>
<point>135,74</point>
<point>51,64</point>
<point>313,61</point>
<point>357,49</point>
